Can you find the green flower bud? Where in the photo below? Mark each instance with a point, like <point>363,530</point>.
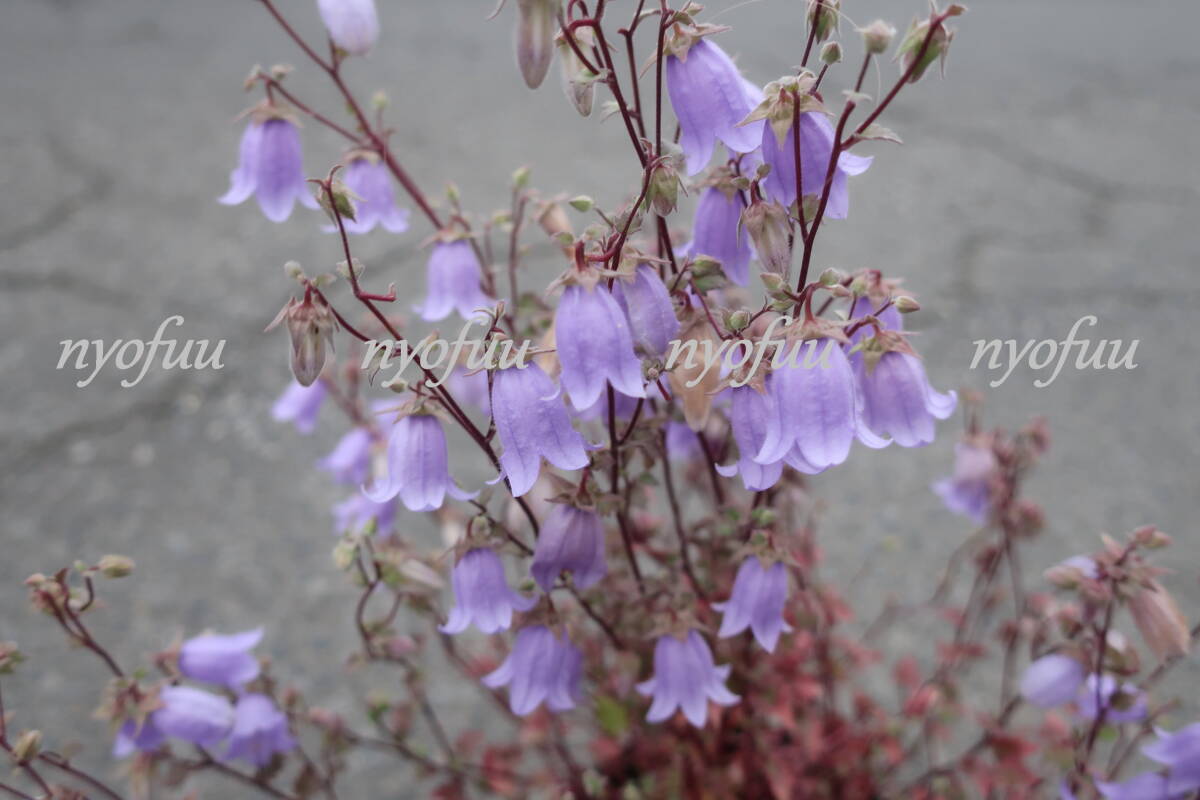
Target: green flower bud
<point>831,53</point>
<point>114,566</point>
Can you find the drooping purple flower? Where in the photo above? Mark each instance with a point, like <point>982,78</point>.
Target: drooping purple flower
<point>647,306</point>
<point>816,146</point>
<point>817,408</point>
<point>595,346</point>
<point>759,594</point>
<point>571,539</point>
<point>481,594</point>
<point>270,167</point>
<point>453,282</point>
<point>540,668</point>
<point>470,387</point>
<point>368,178</point>
<point>416,466</point>
<point>710,99</point>
<point>350,460</point>
<point>1178,750</point>
<point>532,424</point>
<point>130,738</point>
<point>1052,680</point>
<point>353,25</point>
<point>717,232</point>
<point>969,490</point>
<point>686,678</point>
<point>749,416</point>
<point>1123,702</point>
<point>299,405</point>
<point>260,730</point>
<point>222,660</point>
<point>193,715</point>
<point>682,444</point>
<point>898,400</point>
<point>358,511</point>
<point>1151,786</point>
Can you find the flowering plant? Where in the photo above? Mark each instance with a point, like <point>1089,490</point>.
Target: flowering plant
<point>670,632</point>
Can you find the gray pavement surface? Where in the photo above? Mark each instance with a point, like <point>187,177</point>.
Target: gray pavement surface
<point>1053,174</point>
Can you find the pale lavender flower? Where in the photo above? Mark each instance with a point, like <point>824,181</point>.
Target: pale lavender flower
<point>717,232</point>
<point>595,346</point>
<point>353,25</point>
<point>686,678</point>
<point>369,179</point>
<point>1052,680</point>
<point>1124,702</point>
<point>481,594</point>
<point>416,466</point>
<point>130,738</point>
<point>299,405</point>
<point>1178,750</point>
<point>260,730</point>
<point>454,276</point>
<point>570,539</point>
<point>223,660</point>
<point>470,387</point>
<point>1151,786</point>
<point>532,423</point>
<point>710,98</point>
<point>817,408</point>
<point>682,443</point>
<point>358,511</point>
<point>648,308</point>
<point>759,594</point>
<point>270,167</point>
<point>898,400</point>
<point>193,715</point>
<point>540,668</point>
<point>969,490</point>
<point>350,460</point>
<point>749,416</point>
<point>816,146</point>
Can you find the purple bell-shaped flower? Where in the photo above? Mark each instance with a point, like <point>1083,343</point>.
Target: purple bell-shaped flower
<point>417,468</point>
<point>270,167</point>
<point>541,668</point>
<point>595,346</point>
<point>685,678</point>
<point>571,539</point>
<point>532,424</point>
<point>481,594</point>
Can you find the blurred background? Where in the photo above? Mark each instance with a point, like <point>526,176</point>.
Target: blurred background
<point>1052,174</point>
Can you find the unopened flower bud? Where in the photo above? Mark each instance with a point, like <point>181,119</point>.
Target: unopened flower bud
<point>10,656</point>
<point>1160,621</point>
<point>27,746</point>
<point>663,192</point>
<point>823,14</point>
<point>831,53</point>
<point>554,220</point>
<point>114,566</point>
<point>578,82</point>
<point>536,22</point>
<point>707,274</point>
<point>581,203</point>
<point>337,202</point>
<point>767,224</point>
<point>738,320</point>
<point>310,328</point>
<point>831,277</point>
<point>906,305</point>
<point>877,37</point>
<point>916,56</point>
<point>1151,537</point>
<point>859,285</point>
<point>520,177</point>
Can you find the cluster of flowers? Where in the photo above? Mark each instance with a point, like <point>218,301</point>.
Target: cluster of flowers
<point>253,726</point>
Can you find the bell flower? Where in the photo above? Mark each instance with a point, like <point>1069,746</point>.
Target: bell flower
<point>454,278</point>
<point>541,668</point>
<point>222,660</point>
<point>416,466</point>
<point>571,539</point>
<point>595,346</point>
<point>759,594</point>
<point>685,678</point>
<point>481,594</point>
<point>260,730</point>
<point>270,167</point>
